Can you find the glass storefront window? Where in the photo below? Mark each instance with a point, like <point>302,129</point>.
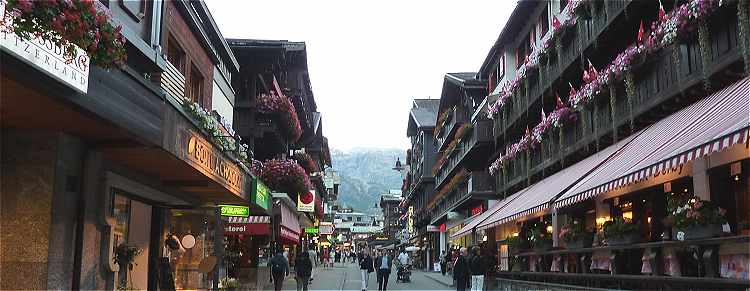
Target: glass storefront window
<point>189,225</point>
<point>132,227</point>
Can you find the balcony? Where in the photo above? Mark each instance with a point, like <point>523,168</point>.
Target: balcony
<point>456,117</point>
<point>583,39</point>
<point>479,135</point>
<point>662,85</point>
<point>479,185</point>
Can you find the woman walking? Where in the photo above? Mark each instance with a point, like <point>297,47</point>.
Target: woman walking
<point>366,266</point>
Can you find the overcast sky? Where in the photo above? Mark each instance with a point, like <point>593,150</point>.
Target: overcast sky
<point>369,59</point>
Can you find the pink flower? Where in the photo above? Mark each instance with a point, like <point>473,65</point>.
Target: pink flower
<point>722,211</point>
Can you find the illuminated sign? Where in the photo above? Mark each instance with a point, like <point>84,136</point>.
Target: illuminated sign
<point>477,209</point>
<point>234,210</point>
<point>212,163</point>
<point>260,194</point>
<point>312,230</point>
<point>326,228</point>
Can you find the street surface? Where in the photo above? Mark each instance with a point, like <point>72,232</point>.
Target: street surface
<point>346,276</point>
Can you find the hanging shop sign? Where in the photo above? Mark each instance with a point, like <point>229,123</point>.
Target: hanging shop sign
<point>260,195</point>
<point>311,230</point>
<point>326,228</point>
<point>247,228</point>
<point>432,228</point>
<point>234,210</point>
<point>306,201</point>
<point>410,220</point>
<point>45,56</point>
<point>211,162</point>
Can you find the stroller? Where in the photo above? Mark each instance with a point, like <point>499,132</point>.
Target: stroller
<point>403,274</point>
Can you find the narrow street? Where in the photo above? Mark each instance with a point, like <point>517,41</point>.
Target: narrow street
<point>347,277</point>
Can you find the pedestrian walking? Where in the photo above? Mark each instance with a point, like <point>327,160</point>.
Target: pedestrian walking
<point>461,270</point>
<point>366,266</point>
<point>314,260</point>
<point>478,269</point>
<point>279,269</point>
<point>444,259</point>
<point>303,270</point>
<point>384,263</point>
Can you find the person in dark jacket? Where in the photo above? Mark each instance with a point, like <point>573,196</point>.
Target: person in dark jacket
<point>461,270</point>
<point>279,269</point>
<point>383,263</point>
<point>478,268</point>
<point>366,266</point>
<point>303,268</point>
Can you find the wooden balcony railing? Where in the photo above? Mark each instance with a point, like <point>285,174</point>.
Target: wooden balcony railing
<point>480,133</point>
<point>656,84</point>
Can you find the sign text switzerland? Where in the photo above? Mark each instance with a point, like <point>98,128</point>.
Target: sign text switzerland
<point>45,56</point>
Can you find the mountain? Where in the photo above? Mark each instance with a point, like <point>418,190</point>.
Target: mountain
<point>365,174</point>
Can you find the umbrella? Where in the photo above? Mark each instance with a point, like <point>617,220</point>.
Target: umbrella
<point>412,249</point>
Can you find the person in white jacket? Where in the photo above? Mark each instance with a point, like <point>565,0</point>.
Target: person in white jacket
<point>314,259</point>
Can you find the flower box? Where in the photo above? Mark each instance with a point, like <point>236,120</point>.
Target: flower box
<point>701,231</point>
<point>625,239</point>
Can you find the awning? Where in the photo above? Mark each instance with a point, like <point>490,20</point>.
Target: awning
<point>712,124</point>
<point>539,196</point>
<point>482,217</point>
<point>289,225</point>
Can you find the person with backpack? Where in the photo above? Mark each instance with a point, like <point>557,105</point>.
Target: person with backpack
<point>279,269</point>
<point>303,270</point>
<point>366,266</point>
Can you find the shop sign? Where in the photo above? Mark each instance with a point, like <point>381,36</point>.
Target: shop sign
<point>247,228</point>
<point>311,230</point>
<point>212,163</point>
<point>306,201</point>
<point>432,228</point>
<point>442,227</point>
<point>234,210</point>
<point>45,56</point>
<point>260,194</point>
<point>326,228</point>
<point>477,209</point>
<point>410,220</point>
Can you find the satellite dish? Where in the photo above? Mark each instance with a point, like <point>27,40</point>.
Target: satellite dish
<point>188,241</point>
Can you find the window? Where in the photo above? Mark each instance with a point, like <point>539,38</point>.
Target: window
<point>543,22</point>
<point>196,86</point>
<point>521,51</point>
<point>175,54</point>
<point>500,67</point>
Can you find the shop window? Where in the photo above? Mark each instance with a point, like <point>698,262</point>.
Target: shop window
<point>195,229</point>
<point>132,228</point>
<point>196,86</point>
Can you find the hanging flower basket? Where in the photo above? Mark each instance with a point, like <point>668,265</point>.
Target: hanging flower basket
<point>283,175</point>
<point>68,23</point>
<point>284,113</point>
<point>307,163</point>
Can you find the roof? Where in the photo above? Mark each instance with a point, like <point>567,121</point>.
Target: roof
<point>422,115</point>
<point>464,79</point>
<point>452,83</point>
<point>709,125</point>
<point>515,22</point>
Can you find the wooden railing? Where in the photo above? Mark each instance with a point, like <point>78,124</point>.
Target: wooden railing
<point>657,83</point>
<point>481,132</point>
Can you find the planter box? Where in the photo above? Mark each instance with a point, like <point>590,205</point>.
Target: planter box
<point>701,231</point>
<point>626,239</point>
<point>580,243</point>
<point>543,246</point>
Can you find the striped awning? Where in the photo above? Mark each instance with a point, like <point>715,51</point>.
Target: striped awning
<point>468,228</point>
<point>289,219</point>
<point>712,124</point>
<point>249,219</point>
<point>540,195</point>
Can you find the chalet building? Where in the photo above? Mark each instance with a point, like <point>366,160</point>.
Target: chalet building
<point>463,135</point>
<point>389,204</point>
<point>100,158</point>
<point>275,71</point>
<point>419,184</point>
<point>612,127</point>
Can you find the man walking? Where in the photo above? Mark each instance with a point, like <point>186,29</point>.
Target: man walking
<point>303,270</point>
<point>461,270</point>
<point>383,263</point>
<point>279,269</point>
<point>478,268</point>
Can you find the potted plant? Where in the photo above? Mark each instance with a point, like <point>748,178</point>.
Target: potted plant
<point>697,219</point>
<point>514,244</point>
<point>125,256</point>
<point>540,238</point>
<point>575,235</point>
<point>621,231</point>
